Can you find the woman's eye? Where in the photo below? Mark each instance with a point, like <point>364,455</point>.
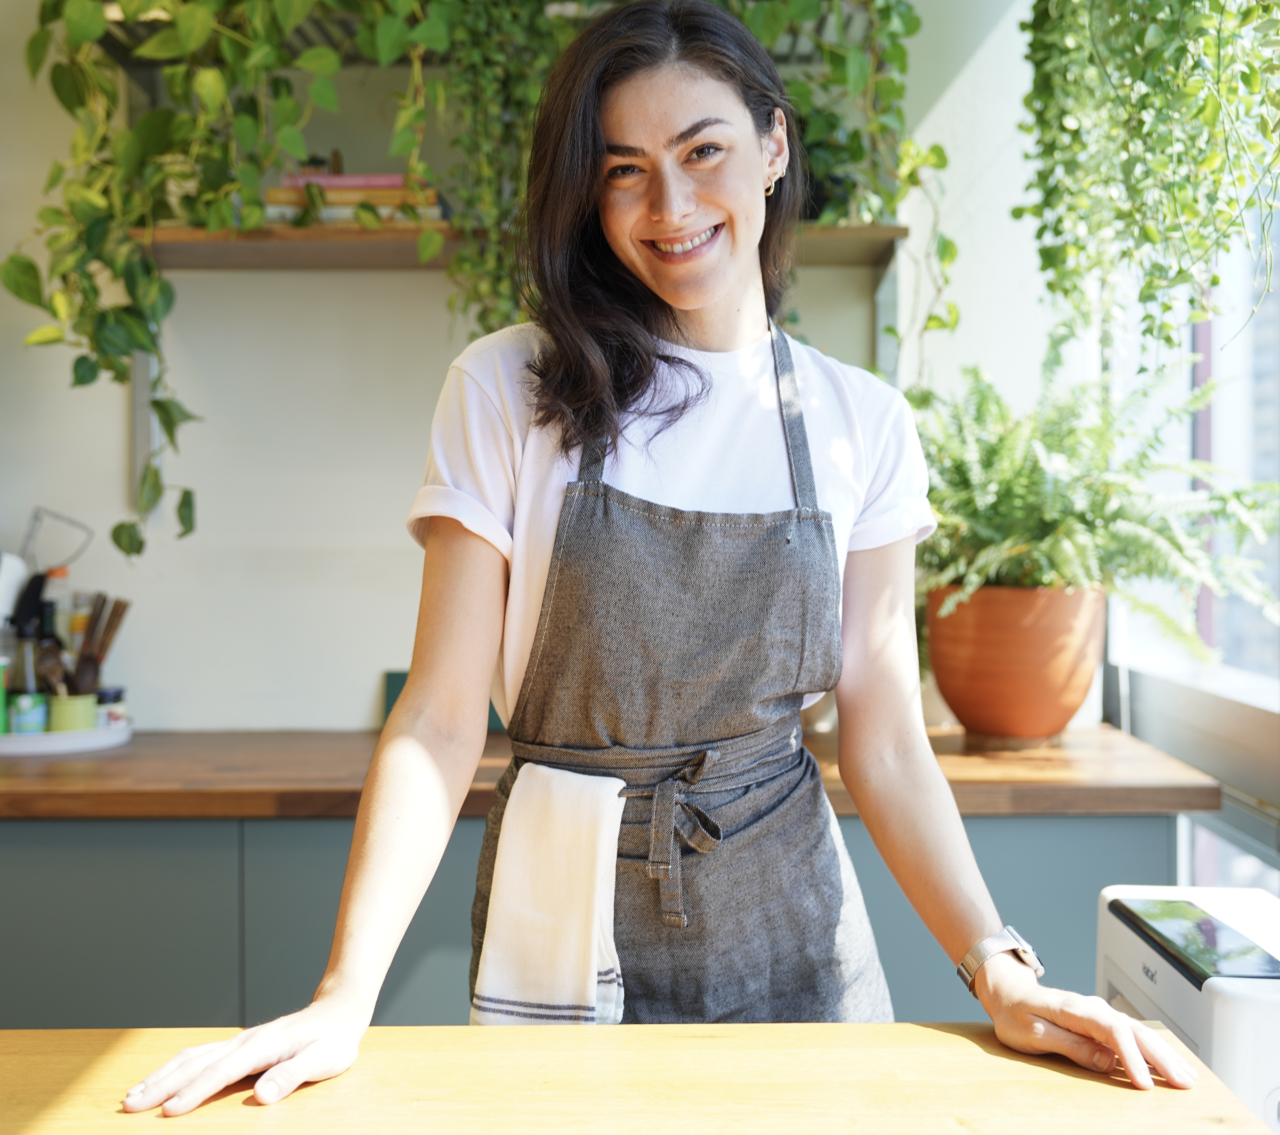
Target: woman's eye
<point>707,150</point>
<point>617,172</point>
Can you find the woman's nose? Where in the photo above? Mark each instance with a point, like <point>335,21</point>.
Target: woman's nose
<point>673,198</point>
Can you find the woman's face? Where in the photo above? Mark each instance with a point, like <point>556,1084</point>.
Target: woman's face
<point>682,191</point>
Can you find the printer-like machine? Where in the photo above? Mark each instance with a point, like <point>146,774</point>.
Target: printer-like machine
<point>1205,961</point>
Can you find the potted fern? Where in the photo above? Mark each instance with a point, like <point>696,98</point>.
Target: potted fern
<point>1040,518</point>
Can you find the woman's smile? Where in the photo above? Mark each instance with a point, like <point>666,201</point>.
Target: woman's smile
<point>680,250</point>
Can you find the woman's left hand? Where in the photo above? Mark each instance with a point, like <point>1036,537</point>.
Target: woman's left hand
<point>1034,1019</point>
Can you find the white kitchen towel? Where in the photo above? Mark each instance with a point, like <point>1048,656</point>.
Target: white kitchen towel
<point>548,956</point>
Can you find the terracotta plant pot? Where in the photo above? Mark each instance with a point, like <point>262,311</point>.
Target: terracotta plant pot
<point>1017,661</point>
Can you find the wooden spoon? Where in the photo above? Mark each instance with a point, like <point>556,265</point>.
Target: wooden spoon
<point>49,667</point>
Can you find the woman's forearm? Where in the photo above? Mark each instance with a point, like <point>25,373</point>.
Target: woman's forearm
<point>906,804</point>
<point>415,788</point>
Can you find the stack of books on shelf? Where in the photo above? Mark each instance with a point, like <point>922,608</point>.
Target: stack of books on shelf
<point>344,192</point>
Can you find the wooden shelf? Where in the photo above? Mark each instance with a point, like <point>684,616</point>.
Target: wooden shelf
<point>1097,772</point>
<point>347,245</point>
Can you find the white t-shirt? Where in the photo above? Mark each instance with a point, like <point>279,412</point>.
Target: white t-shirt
<point>503,479</point>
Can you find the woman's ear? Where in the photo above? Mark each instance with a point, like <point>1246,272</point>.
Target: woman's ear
<point>777,153</point>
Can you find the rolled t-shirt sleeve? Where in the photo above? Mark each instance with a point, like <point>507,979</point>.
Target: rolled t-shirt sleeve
<point>897,501</point>
<point>471,467</point>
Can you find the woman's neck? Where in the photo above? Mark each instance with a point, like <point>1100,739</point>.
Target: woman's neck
<point>728,325</point>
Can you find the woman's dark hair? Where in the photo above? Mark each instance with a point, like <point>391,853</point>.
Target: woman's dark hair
<point>601,321</point>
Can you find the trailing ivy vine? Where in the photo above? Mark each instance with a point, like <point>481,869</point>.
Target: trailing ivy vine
<point>230,115</point>
<point>1154,126</point>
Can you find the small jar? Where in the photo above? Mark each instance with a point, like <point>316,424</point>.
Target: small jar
<point>112,711</point>
<point>28,713</point>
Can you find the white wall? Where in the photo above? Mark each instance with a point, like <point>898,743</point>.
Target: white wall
<point>300,584</point>
<point>995,281</point>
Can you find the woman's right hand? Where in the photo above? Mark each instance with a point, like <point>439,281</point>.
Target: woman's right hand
<point>315,1043</point>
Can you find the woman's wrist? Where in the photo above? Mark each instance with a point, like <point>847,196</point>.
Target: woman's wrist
<point>1002,978</point>
<point>350,996</point>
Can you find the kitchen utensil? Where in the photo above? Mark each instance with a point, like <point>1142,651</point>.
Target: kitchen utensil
<point>26,612</point>
<point>118,609</point>
<point>86,675</point>
<point>95,624</point>
<point>49,667</point>
<point>13,574</point>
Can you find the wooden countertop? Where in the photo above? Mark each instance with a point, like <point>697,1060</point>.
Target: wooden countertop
<point>888,1079</point>
<point>220,775</point>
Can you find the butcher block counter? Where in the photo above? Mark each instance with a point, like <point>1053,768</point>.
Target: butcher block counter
<point>222,775</point>
<point>890,1079</point>
<point>193,879</point>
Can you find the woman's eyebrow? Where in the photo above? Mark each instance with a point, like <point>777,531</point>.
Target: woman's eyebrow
<point>680,139</point>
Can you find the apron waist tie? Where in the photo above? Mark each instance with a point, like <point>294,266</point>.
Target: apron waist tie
<point>675,817</point>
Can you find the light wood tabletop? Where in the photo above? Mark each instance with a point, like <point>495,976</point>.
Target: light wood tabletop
<point>220,775</point>
<point>887,1079</point>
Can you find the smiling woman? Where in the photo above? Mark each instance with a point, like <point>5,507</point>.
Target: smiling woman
<point>651,582</point>
<point>669,134</point>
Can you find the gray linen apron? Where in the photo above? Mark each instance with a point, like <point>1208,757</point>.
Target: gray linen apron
<point>673,651</point>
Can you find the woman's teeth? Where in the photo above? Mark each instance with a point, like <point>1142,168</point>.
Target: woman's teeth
<point>701,238</point>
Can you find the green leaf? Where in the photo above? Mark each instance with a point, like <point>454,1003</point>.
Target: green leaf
<point>37,49</point>
<point>1211,110</point>
<point>171,413</point>
<point>210,87</point>
<point>1252,79</point>
<point>84,370</point>
<point>391,37</point>
<point>292,142</point>
<point>50,12</point>
<point>49,333</point>
<point>1154,37</point>
<point>767,20</point>
<point>128,538</point>
<point>432,33</point>
<point>802,11</point>
<point>323,93</point>
<point>368,216</point>
<point>85,22</point>
<point>66,87</point>
<point>401,8</point>
<point>857,71</point>
<point>319,61</point>
<point>150,489</point>
<point>262,57</point>
<point>55,175</point>
<point>287,111</point>
<point>245,129</point>
<point>252,216</point>
<point>402,143</point>
<point>135,324</point>
<point>186,513</point>
<point>133,10</point>
<point>49,215</point>
<point>165,44</point>
<point>154,131</point>
<point>291,13</point>
<point>195,26</point>
<point>430,245</point>
<point>110,336</point>
<point>21,277</point>
<point>946,251</point>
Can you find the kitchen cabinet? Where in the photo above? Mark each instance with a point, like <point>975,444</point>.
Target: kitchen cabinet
<point>119,913</point>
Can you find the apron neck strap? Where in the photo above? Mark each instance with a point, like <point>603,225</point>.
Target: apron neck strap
<point>793,430</point>
<point>591,461</point>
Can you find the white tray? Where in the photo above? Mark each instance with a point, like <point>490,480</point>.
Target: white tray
<point>61,744</point>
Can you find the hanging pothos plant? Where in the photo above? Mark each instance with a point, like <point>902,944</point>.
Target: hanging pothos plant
<point>1155,126</point>
<point>231,115</point>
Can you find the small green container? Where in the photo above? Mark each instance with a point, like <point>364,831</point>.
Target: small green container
<point>28,713</point>
<point>73,713</point>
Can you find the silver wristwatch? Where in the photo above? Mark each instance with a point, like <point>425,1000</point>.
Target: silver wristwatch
<point>1007,940</point>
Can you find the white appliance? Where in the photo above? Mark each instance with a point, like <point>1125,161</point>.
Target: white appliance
<point>1160,960</point>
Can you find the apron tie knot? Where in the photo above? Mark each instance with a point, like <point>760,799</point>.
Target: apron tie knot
<point>690,823</point>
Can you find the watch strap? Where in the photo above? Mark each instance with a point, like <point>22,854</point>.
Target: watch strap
<point>1004,941</point>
